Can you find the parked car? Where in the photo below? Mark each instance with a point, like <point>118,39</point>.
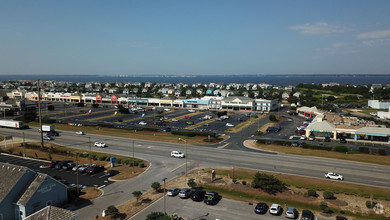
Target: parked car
<point>273,129</point>
<point>334,176</point>
<point>99,144</point>
<point>198,195</point>
<point>76,168</point>
<point>84,168</point>
<point>292,212</point>
<point>94,169</point>
<point>173,191</point>
<point>295,143</point>
<point>187,117</point>
<point>302,132</point>
<point>177,154</point>
<point>53,163</point>
<point>341,218</point>
<point>60,164</point>
<point>229,125</point>
<point>312,138</point>
<point>185,193</point>
<point>110,173</point>
<point>174,120</point>
<point>261,208</point>
<point>68,166</point>
<point>343,141</point>
<point>211,198</point>
<point>189,122</point>
<point>307,215</point>
<point>80,132</point>
<point>207,124</point>
<point>274,209</point>
<point>327,139</point>
<point>303,137</point>
<point>143,123</point>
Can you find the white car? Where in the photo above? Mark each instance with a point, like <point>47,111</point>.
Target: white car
<point>174,120</point>
<point>99,144</point>
<point>191,110</point>
<point>142,123</point>
<point>274,209</point>
<point>167,109</point>
<point>177,154</point>
<point>333,176</point>
<point>80,132</point>
<point>303,137</point>
<point>229,125</point>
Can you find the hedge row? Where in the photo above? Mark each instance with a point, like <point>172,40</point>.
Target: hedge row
<point>316,147</point>
<point>193,133</point>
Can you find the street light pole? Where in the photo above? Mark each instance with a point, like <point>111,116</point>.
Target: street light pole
<point>40,114</point>
<point>185,141</point>
<point>90,148</point>
<point>165,211</point>
<point>24,146</point>
<point>133,157</point>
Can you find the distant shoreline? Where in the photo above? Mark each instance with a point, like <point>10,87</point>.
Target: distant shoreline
<point>276,80</point>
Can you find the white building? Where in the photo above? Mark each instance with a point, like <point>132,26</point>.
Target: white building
<point>377,104</point>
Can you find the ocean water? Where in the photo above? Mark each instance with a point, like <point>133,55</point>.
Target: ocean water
<point>278,80</point>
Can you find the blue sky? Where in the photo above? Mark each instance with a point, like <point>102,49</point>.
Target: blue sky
<point>197,37</point>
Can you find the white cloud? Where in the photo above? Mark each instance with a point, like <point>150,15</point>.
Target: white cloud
<point>375,42</point>
<point>374,35</point>
<point>319,28</point>
<point>340,48</point>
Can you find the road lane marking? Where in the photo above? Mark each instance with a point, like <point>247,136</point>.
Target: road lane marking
<point>178,167</point>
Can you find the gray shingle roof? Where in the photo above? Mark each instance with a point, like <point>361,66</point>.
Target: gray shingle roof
<point>9,176</point>
<point>32,188</point>
<point>52,213</point>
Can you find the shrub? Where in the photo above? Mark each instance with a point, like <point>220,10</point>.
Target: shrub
<point>316,147</point>
<point>368,204</point>
<point>141,165</point>
<point>311,192</point>
<point>364,150</point>
<point>244,182</point>
<point>268,183</point>
<point>234,180</point>
<point>157,215</point>
<point>156,186</point>
<point>111,210</point>
<point>324,207</point>
<point>341,149</point>
<point>328,195</point>
<point>272,118</point>
<point>48,120</point>
<point>102,158</point>
<point>191,183</point>
<point>382,152</point>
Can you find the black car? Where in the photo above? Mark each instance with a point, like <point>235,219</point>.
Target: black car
<point>307,215</point>
<point>53,163</point>
<point>62,163</point>
<point>261,208</point>
<point>53,133</point>
<point>211,198</point>
<point>327,139</point>
<point>198,195</point>
<point>343,141</point>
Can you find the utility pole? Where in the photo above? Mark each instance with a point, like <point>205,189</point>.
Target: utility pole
<point>165,211</point>
<point>90,148</point>
<point>133,157</point>
<point>24,146</point>
<point>185,141</point>
<point>77,176</point>
<point>40,114</point>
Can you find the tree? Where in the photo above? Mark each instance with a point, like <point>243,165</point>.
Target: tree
<point>268,183</point>
<point>137,195</point>
<point>111,210</point>
<point>272,118</point>
<point>156,186</point>
<point>328,195</point>
<point>191,183</point>
<point>331,98</point>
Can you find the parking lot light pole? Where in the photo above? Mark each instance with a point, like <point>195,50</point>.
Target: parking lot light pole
<point>90,149</point>
<point>24,146</point>
<point>165,211</point>
<point>186,155</point>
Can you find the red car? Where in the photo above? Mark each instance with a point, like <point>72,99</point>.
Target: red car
<point>187,117</point>
<point>95,169</point>
<point>53,163</point>
<point>301,132</point>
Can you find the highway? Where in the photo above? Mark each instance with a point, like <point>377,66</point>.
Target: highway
<point>162,165</point>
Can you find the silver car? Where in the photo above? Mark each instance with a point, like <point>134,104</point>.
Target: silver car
<point>173,191</point>
<point>185,193</point>
<point>291,212</point>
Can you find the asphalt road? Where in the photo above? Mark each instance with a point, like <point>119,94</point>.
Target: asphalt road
<point>162,165</point>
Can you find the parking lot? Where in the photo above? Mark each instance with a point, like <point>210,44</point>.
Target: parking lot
<point>224,209</point>
<point>158,117</point>
<point>69,177</point>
